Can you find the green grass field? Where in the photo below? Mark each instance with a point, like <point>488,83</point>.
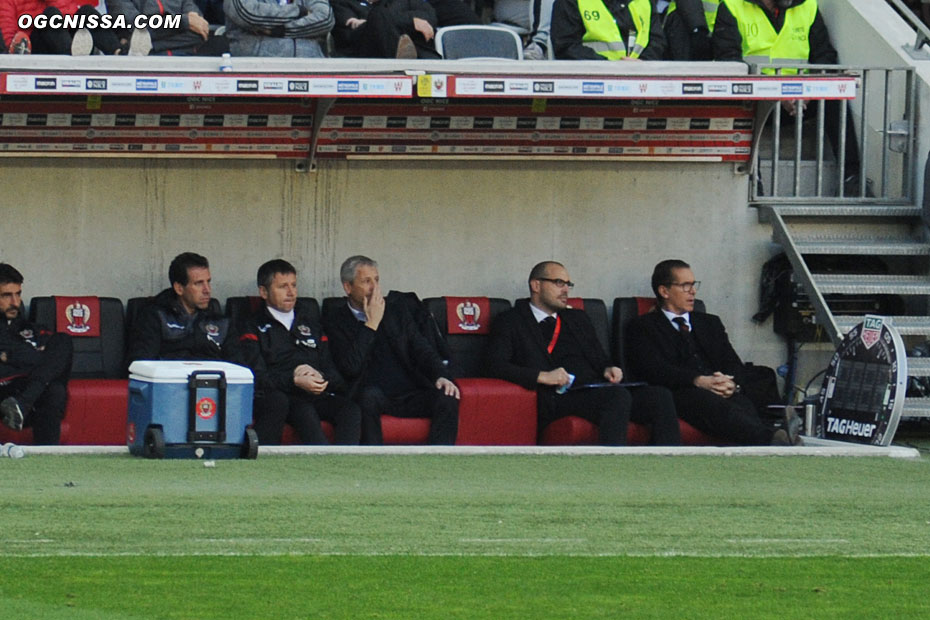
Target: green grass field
<point>360,536</point>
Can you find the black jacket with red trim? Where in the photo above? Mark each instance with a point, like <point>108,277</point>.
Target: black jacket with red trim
<point>21,345</point>
<point>273,352</point>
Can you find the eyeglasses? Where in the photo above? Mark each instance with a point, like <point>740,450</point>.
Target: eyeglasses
<point>688,287</point>
<point>559,282</point>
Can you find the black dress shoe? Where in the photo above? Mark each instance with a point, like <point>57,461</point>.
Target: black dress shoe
<point>11,413</point>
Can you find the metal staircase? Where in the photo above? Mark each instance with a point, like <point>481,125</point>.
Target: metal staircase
<point>896,233</point>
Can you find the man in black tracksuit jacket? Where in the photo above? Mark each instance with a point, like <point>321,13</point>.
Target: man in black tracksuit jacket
<point>179,323</point>
<point>34,367</point>
<point>294,374</point>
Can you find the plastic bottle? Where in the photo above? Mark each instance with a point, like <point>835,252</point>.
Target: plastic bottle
<point>12,451</point>
<point>226,62</point>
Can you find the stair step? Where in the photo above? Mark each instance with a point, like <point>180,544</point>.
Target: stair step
<point>906,325</point>
<point>871,284</point>
<point>916,408</point>
<point>846,210</point>
<point>861,246</point>
<point>918,367</point>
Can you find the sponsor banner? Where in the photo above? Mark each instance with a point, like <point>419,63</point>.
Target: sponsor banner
<point>738,88</point>
<point>226,85</point>
<point>864,388</point>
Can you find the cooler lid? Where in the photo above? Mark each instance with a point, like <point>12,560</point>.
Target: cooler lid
<point>156,371</point>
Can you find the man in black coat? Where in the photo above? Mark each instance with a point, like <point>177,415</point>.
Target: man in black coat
<point>689,353</point>
<point>395,369</point>
<point>544,345</point>
<point>384,28</point>
<point>179,324</point>
<point>34,367</point>
<point>295,378</point>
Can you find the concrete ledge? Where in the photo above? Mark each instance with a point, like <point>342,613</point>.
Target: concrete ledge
<point>814,447</point>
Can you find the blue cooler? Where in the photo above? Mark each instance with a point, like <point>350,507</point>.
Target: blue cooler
<point>190,409</point>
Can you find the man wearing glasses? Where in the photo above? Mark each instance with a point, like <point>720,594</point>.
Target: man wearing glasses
<point>545,345</point>
<point>689,353</point>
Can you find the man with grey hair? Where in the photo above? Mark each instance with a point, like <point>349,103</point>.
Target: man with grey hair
<point>395,370</point>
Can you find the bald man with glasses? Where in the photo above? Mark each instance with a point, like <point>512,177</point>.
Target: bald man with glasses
<point>543,345</point>
<point>689,353</point>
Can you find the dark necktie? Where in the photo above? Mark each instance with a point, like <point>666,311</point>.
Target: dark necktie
<point>682,324</point>
<point>547,325</point>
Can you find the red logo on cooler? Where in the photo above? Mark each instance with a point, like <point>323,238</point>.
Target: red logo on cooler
<point>206,408</point>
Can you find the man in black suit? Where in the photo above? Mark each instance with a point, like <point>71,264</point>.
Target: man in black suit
<point>395,369</point>
<point>689,353</point>
<point>543,344</point>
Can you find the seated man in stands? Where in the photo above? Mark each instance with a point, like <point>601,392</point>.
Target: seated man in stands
<point>294,374</point>
<point>385,28</point>
<point>179,324</point>
<point>395,369</point>
<point>268,28</point>
<point>766,31</point>
<point>689,353</point>
<point>543,344</point>
<point>34,367</point>
<point>606,30</point>
<point>533,24</point>
<point>193,38</point>
<point>688,26</point>
<point>60,40</point>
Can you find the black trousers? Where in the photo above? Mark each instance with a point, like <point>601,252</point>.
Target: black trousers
<point>654,406</point>
<point>58,41</point>
<point>608,407</point>
<point>304,411</point>
<point>432,403</point>
<point>734,419</point>
<point>43,392</point>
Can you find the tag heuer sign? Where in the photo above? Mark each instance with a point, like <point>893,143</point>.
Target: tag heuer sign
<point>864,388</point>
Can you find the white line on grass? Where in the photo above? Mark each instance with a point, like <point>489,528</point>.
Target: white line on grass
<point>454,554</point>
<point>766,541</point>
<point>522,540</point>
<point>256,540</point>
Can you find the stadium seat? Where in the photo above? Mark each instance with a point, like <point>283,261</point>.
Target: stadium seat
<point>625,310</point>
<point>478,42</point>
<point>574,430</point>
<point>491,411</point>
<point>97,391</point>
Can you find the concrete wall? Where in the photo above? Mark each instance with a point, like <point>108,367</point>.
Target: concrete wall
<point>111,227</point>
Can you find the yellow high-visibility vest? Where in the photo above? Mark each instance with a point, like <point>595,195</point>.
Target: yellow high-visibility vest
<point>762,45</point>
<point>602,34</point>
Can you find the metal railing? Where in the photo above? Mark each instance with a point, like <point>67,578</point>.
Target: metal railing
<point>923,32</point>
<point>835,151</point>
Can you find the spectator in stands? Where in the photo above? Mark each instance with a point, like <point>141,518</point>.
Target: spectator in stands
<point>74,41</point>
<point>212,11</point>
<point>193,38</point>
<point>689,353</point>
<point>34,367</point>
<point>530,18</point>
<point>543,344</point>
<point>294,374</point>
<point>606,30</point>
<point>765,31</point>
<point>395,369</point>
<point>689,25</point>
<point>270,28</point>
<point>180,324</point>
<point>385,28</point>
